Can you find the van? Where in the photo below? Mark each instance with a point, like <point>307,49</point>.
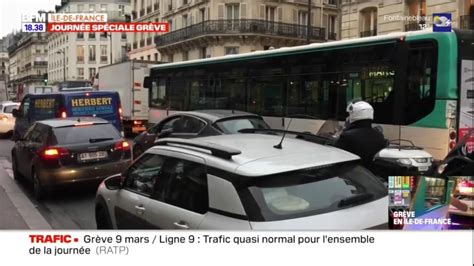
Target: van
<point>36,107</point>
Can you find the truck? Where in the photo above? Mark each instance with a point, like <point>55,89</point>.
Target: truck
<point>127,79</point>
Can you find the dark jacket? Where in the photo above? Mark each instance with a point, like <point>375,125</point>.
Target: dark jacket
<point>363,140</point>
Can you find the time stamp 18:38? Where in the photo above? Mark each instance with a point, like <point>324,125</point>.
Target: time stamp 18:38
<point>33,27</point>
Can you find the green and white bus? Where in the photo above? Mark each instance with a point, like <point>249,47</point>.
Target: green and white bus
<point>419,83</point>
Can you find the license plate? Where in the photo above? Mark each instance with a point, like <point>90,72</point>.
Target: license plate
<point>92,155</point>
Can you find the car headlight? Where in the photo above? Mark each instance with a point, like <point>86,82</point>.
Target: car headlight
<point>404,161</point>
<point>422,160</point>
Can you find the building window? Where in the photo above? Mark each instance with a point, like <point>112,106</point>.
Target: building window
<point>103,7</point>
<point>141,57</point>
<point>184,21</point>
<point>80,35</point>
<point>80,54</point>
<point>80,8</point>
<point>103,53</point>
<point>124,35</point>
<point>233,11</point>
<point>103,35</point>
<point>202,15</point>
<point>170,5</point>
<point>231,50</point>
<point>92,72</point>
<point>270,13</point>
<point>156,56</point>
<point>80,73</point>
<point>121,9</point>
<point>91,35</point>
<point>185,55</point>
<point>368,22</point>
<point>92,53</point>
<point>148,57</point>
<point>91,7</point>
<point>171,57</point>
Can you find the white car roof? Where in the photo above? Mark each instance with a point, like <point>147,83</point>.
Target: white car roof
<point>258,156</point>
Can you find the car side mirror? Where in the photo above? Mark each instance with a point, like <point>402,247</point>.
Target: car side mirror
<point>114,182</point>
<point>165,133</point>
<point>147,82</point>
<point>16,113</point>
<point>379,129</point>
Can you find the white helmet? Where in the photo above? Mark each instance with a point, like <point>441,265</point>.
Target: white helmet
<point>359,111</point>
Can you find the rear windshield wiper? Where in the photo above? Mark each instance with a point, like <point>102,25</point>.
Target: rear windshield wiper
<point>358,198</point>
<point>99,140</point>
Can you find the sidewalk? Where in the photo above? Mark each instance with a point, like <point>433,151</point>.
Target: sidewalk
<point>16,210</point>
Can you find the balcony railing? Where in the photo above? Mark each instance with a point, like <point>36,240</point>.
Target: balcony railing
<point>368,33</point>
<point>240,26</point>
<point>414,25</point>
<point>467,22</point>
<point>332,36</point>
<point>40,63</point>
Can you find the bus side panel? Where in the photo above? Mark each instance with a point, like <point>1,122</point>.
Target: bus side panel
<point>98,104</point>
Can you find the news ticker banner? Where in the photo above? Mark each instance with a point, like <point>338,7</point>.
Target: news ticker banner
<point>77,22</point>
<point>237,247</point>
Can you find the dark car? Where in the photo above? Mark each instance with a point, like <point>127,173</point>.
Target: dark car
<point>69,151</point>
<point>197,124</point>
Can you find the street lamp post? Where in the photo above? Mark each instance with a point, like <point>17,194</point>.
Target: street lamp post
<point>64,62</point>
<point>110,36</point>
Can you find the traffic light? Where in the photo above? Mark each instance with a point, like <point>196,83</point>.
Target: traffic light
<point>45,79</point>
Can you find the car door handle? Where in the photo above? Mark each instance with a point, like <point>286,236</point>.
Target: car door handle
<point>139,209</point>
<point>181,225</point>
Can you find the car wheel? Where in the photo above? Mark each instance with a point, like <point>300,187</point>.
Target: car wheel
<point>16,174</point>
<point>102,217</point>
<point>137,151</point>
<point>38,189</point>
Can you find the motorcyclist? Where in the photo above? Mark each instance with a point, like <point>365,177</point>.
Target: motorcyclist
<point>358,136</point>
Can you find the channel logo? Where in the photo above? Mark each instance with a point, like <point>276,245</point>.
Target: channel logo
<point>442,22</point>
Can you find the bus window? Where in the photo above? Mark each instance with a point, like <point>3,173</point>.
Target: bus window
<point>158,93</point>
<point>420,94</point>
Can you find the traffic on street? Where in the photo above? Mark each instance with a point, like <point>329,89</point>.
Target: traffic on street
<point>296,140</point>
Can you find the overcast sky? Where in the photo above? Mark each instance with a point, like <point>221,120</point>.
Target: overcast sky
<point>11,10</point>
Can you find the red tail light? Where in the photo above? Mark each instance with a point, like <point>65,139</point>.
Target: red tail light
<point>62,113</point>
<point>452,135</point>
<point>53,153</point>
<point>122,145</point>
<point>452,144</point>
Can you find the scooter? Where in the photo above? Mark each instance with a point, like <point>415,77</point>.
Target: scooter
<point>400,157</point>
<point>460,160</point>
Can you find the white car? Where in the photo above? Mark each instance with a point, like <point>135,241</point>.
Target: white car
<point>7,121</point>
<point>243,182</point>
